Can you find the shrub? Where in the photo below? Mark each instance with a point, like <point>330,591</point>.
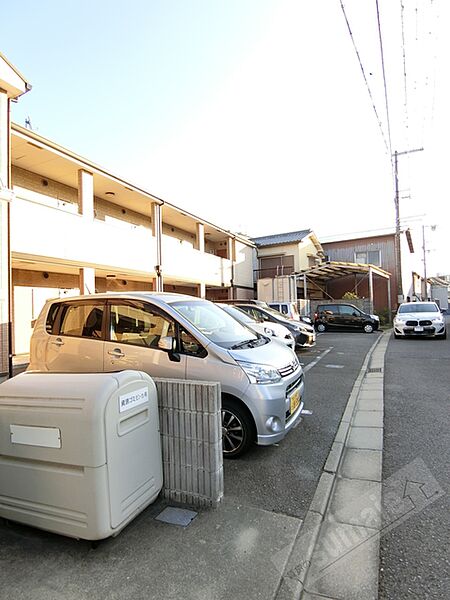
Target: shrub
<point>383,313</point>
<point>350,296</point>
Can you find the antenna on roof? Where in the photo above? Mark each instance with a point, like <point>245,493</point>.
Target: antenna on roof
<point>28,123</point>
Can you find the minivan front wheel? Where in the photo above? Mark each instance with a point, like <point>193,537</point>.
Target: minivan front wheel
<point>368,328</point>
<point>237,429</point>
<point>320,327</point>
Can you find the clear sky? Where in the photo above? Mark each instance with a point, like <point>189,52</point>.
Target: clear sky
<point>253,114</point>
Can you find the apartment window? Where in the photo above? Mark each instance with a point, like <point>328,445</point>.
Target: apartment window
<point>272,266</point>
<point>371,257</point>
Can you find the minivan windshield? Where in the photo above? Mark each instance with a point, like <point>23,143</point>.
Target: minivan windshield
<point>421,307</point>
<point>217,325</point>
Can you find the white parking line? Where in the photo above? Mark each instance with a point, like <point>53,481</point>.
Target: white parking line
<point>316,360</point>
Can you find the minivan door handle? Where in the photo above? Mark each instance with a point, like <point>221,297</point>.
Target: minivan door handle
<point>58,342</point>
<point>117,353</point>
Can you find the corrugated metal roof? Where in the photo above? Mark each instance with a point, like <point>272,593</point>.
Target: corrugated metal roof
<point>438,281</point>
<point>333,270</point>
<point>281,238</point>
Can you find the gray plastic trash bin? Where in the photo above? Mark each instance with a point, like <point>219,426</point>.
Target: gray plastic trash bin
<point>80,454</point>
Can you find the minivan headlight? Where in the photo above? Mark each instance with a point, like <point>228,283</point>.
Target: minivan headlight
<point>260,373</point>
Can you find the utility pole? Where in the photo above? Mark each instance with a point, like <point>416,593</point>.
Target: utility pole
<point>398,258</point>
<point>424,263</point>
<point>433,228</point>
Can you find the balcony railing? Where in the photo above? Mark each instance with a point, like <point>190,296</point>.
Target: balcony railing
<point>272,272</point>
<point>183,262</point>
<point>43,231</point>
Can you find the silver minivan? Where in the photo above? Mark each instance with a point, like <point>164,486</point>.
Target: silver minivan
<point>177,336</point>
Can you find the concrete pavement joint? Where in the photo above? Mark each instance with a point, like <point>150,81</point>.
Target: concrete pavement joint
<point>293,582</point>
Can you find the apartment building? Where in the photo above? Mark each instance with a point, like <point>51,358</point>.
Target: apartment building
<point>76,228</point>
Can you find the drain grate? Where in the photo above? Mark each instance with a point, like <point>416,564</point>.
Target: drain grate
<point>376,370</point>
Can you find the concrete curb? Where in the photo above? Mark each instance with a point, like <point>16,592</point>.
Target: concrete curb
<point>350,484</point>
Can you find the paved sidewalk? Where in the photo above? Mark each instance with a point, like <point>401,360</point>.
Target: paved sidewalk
<point>336,555</point>
<point>234,551</point>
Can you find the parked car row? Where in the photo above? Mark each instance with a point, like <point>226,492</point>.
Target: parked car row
<point>302,332</point>
<point>179,336</point>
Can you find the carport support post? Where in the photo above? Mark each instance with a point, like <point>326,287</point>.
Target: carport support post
<point>371,289</point>
<point>389,299</point>
<point>305,287</point>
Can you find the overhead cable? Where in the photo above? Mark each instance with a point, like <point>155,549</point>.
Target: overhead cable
<point>388,145</point>
<point>380,37</point>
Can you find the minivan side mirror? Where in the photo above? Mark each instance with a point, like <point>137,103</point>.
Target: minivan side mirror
<point>169,343</point>
<point>166,343</point>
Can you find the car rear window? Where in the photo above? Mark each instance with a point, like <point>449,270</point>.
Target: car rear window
<point>80,319</point>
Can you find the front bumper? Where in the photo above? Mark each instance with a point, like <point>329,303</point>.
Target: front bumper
<point>281,408</point>
<point>402,329</point>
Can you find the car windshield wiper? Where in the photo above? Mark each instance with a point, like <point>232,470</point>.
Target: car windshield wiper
<point>249,343</point>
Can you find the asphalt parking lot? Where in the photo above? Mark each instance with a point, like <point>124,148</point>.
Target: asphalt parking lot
<point>283,478</point>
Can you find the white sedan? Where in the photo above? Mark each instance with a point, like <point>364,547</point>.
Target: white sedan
<point>423,319</point>
<point>274,330</point>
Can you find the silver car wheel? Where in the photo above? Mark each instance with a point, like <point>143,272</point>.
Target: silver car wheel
<point>320,327</point>
<point>233,433</point>
<point>368,328</point>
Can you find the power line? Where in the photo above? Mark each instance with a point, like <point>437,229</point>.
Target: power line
<point>388,120</point>
<point>405,85</point>
<point>388,146</point>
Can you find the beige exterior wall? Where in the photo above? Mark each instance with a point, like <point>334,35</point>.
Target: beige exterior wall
<point>306,250</point>
<point>300,251</point>
<point>282,250</point>
<point>243,268</point>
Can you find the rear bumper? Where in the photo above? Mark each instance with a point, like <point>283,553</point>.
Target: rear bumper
<point>303,340</point>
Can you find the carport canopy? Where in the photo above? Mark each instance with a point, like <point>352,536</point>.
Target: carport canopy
<point>329,270</point>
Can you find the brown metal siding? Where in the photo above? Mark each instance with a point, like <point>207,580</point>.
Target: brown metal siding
<point>344,251</point>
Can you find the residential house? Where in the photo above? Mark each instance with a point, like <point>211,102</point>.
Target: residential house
<point>378,251</point>
<point>282,255</point>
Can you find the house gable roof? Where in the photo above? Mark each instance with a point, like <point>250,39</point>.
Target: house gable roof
<point>281,238</point>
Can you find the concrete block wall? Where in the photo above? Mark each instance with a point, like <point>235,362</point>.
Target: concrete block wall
<point>191,441</point>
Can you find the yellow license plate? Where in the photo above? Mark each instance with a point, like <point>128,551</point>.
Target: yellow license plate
<point>295,401</point>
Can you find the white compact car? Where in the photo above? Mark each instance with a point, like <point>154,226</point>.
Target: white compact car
<point>419,319</point>
<point>274,330</point>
